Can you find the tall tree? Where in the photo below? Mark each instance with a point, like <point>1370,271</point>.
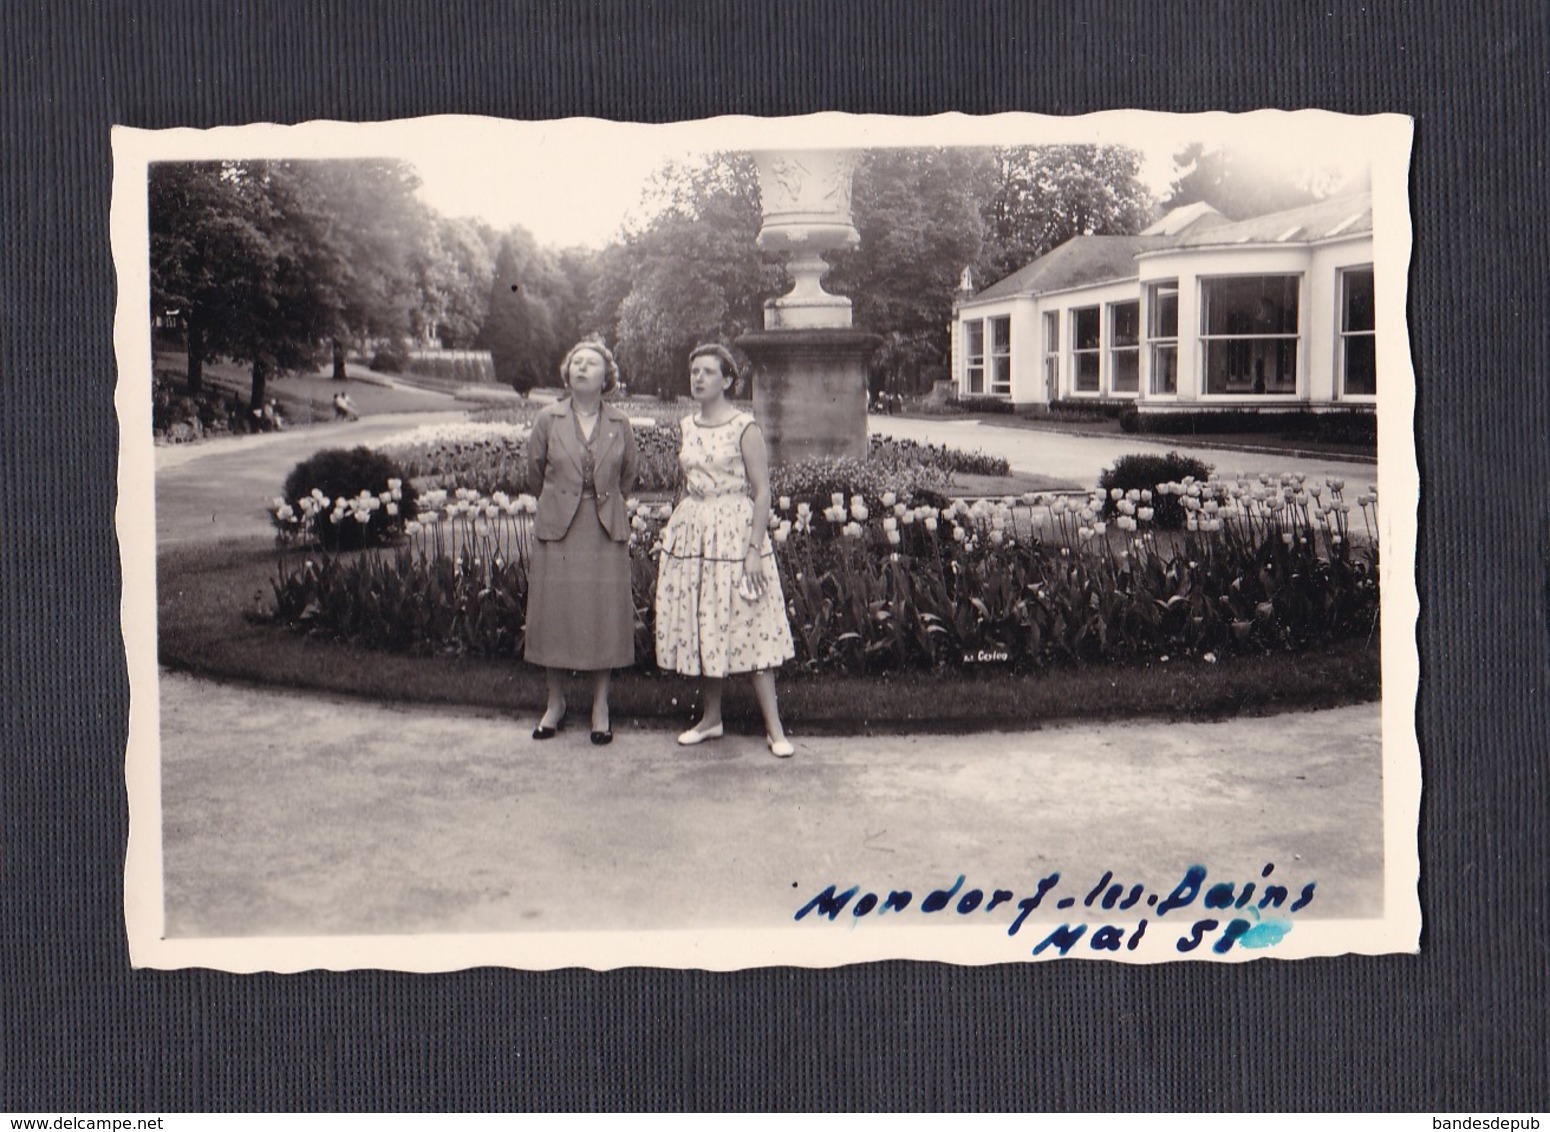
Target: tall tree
<point>695,271</point>
<point>453,271</point>
<point>288,304</point>
<point>372,228</point>
<point>611,277</point>
<point>1041,196</point>
<point>238,249</point>
<point>520,329</point>
<point>576,271</point>
<point>207,248</point>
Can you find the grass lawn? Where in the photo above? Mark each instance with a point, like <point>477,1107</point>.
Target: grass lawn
<point>965,485</point>
<point>306,398</point>
<point>203,593</point>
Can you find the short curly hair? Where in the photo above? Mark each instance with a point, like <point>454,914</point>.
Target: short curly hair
<point>724,356</point>
<point>610,377</point>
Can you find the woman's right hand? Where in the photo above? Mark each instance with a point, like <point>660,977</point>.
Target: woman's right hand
<point>753,572</point>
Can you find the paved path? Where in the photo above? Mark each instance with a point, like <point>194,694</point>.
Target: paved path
<point>222,488</point>
<point>290,813</point>
<point>1080,459</point>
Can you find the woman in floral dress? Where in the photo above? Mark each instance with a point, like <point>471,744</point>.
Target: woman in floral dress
<point>720,610</point>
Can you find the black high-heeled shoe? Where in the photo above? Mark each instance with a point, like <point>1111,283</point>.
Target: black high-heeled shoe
<point>542,732</point>
<point>602,738</point>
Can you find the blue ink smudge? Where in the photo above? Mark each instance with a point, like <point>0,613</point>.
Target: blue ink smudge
<point>1266,933</point>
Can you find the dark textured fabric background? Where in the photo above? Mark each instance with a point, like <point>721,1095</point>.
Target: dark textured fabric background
<point>1462,1026</point>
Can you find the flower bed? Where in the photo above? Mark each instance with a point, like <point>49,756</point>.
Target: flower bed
<point>491,455</point>
<point>1029,583</point>
<point>488,456</point>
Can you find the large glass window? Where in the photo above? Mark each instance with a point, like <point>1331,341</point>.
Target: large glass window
<point>1162,335</point>
<point>1125,347</point>
<point>1085,346</point>
<point>974,351</point>
<point>1358,339</point>
<point>1051,355</point>
<point>1249,334</point>
<point>1001,355</point>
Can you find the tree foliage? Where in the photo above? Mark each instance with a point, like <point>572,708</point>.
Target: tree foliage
<point>240,252</point>
<point>694,271</point>
<point>521,330</point>
<point>372,231</point>
<point>1239,186</point>
<point>263,261</point>
<point>453,272</point>
<point>207,247</point>
<point>267,261</point>
<point>1041,196</point>
<point>918,213</point>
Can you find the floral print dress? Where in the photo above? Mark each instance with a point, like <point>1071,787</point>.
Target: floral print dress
<point>705,626</point>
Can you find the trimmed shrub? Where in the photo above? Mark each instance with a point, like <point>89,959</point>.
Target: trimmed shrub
<point>1356,427</point>
<point>987,405</point>
<point>1087,410</point>
<point>1143,472</point>
<point>345,499</point>
<point>465,367</point>
<point>391,357</point>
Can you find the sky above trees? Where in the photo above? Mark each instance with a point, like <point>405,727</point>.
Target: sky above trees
<point>572,188</point>
<point>620,231</point>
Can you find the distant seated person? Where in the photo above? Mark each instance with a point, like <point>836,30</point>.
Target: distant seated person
<point>268,417</point>
<point>344,408</point>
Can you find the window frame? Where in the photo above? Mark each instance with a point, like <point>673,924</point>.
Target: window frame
<point>1114,350</point>
<point>1206,339</point>
<point>995,359</point>
<point>974,363</point>
<point>1052,354</point>
<point>1078,353</point>
<point>1345,334</point>
<point>1155,341</point>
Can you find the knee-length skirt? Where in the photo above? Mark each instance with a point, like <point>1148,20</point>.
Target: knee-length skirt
<point>580,613</point>
<point>705,626</point>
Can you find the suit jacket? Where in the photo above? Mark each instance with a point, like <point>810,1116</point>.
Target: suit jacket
<point>554,461</point>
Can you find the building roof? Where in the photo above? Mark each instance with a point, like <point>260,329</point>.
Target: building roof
<point>1341,216</point>
<point>1080,261</point>
<point>1195,217</point>
<point>1083,261</point>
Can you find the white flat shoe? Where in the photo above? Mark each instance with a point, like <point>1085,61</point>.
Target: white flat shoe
<point>691,737</point>
<point>780,748</point>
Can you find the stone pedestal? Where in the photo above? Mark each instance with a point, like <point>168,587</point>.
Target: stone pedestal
<point>810,390</point>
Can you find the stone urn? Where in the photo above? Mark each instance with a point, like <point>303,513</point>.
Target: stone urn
<point>810,365</point>
<point>806,199</point>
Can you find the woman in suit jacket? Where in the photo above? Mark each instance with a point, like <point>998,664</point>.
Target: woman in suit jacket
<point>580,614</point>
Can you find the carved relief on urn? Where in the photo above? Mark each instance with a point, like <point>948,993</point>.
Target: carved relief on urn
<point>806,204</point>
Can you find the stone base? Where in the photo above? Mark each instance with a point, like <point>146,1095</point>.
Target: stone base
<point>810,391</point>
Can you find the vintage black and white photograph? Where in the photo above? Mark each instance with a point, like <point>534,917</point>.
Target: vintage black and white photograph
<point>768,541</point>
